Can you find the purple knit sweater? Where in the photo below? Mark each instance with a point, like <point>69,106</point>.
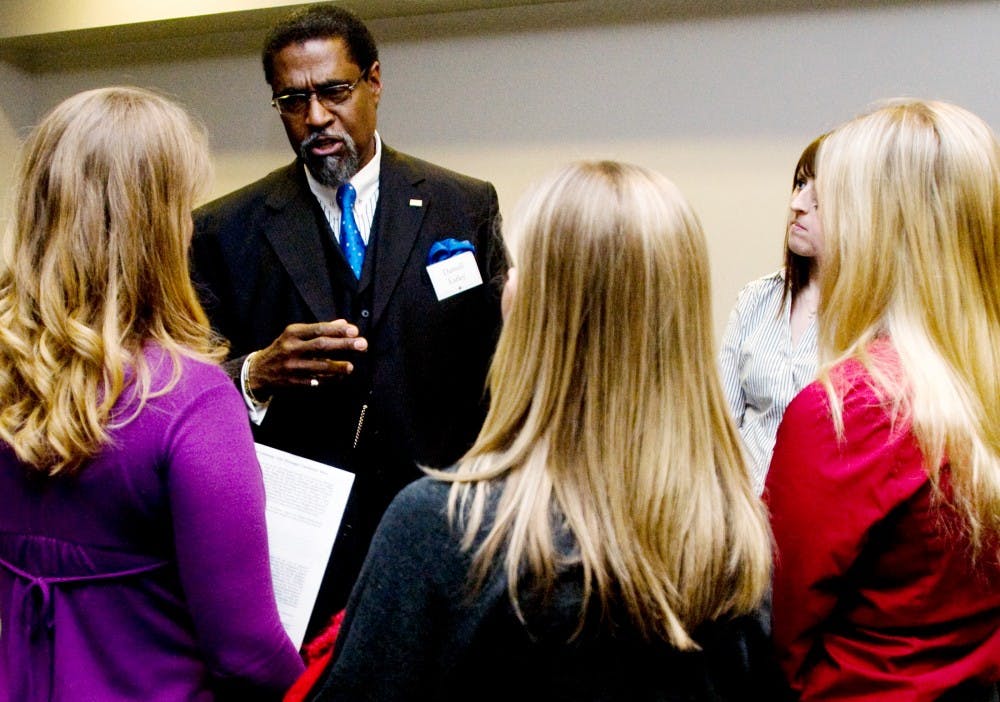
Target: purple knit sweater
<point>145,576</point>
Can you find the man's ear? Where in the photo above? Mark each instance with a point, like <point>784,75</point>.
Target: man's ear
<point>375,81</point>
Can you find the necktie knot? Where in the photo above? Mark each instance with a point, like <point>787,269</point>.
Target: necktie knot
<point>351,242</point>
<point>346,195</point>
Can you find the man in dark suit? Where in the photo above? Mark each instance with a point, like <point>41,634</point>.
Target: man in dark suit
<point>351,341</point>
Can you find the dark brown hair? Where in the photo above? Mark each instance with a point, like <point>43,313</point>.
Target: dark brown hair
<point>797,267</point>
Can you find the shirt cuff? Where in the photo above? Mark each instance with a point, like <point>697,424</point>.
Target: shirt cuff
<point>255,408</point>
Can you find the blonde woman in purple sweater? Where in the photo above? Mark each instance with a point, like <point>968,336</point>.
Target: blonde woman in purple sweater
<point>133,554</point>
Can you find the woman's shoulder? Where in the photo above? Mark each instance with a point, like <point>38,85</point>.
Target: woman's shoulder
<point>416,535</point>
<point>178,378</point>
<point>761,291</point>
<point>858,387</point>
<point>865,410</point>
<point>757,307</point>
<point>766,283</point>
<point>165,364</point>
<point>422,504</point>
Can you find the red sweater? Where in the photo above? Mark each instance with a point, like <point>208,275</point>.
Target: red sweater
<point>875,594</point>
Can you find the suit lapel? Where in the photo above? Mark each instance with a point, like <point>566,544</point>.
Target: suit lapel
<point>398,224</point>
<point>296,239</point>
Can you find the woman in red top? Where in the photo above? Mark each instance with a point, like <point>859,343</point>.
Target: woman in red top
<point>884,488</point>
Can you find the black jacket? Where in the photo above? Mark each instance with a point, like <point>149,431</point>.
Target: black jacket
<point>264,257</point>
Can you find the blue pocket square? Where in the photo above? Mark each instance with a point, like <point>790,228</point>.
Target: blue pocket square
<point>446,248</point>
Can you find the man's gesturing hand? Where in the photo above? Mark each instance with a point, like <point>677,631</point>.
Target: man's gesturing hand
<point>305,354</point>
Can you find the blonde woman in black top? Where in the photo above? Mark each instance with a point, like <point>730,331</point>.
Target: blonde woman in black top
<point>601,539</point>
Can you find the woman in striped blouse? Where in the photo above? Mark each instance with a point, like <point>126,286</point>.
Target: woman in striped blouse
<point>769,349</point>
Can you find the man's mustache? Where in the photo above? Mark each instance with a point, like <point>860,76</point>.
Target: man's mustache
<point>315,137</point>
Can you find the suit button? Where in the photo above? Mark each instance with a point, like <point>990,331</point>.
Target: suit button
<point>365,313</point>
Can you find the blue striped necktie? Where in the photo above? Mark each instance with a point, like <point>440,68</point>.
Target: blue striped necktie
<point>351,242</point>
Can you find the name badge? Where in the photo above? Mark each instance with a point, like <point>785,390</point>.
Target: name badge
<point>453,275</point>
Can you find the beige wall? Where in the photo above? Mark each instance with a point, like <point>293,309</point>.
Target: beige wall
<point>721,101</point>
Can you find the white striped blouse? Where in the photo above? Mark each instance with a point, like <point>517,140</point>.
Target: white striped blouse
<point>761,370</point>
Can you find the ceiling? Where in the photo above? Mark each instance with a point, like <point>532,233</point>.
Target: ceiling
<point>42,35</point>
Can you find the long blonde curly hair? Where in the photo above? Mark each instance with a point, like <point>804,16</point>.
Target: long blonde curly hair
<point>94,267</point>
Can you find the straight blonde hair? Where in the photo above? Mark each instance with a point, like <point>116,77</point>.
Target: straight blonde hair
<point>95,266</point>
<point>606,411</point>
<point>910,200</point>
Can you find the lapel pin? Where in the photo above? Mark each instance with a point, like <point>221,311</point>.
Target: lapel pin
<point>416,203</point>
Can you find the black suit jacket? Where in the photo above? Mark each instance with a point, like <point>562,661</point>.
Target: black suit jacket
<point>264,257</point>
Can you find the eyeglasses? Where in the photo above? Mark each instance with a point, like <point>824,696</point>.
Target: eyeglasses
<point>329,96</point>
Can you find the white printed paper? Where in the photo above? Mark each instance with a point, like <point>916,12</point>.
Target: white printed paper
<point>455,274</point>
<point>305,503</point>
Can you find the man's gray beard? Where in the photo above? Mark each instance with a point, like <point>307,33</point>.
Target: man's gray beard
<point>331,171</point>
